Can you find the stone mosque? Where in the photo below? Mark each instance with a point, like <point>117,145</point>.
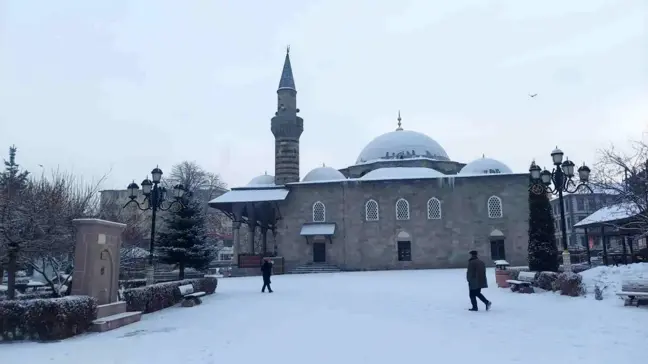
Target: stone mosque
<point>404,204</point>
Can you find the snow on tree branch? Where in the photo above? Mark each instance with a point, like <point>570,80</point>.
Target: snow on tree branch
<point>625,175</point>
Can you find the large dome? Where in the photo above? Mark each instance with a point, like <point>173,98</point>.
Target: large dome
<point>485,165</point>
<point>323,174</point>
<point>402,144</point>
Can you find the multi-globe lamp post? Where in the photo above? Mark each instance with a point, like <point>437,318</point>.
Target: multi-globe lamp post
<point>155,197</point>
<point>562,179</point>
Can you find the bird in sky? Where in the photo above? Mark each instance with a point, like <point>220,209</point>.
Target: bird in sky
<point>533,95</point>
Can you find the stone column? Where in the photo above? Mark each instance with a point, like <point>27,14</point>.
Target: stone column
<point>236,245</point>
<point>251,237</point>
<point>264,239</point>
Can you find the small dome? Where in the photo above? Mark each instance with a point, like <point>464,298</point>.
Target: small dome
<point>262,180</point>
<point>402,144</point>
<point>485,166</point>
<point>323,174</point>
<point>402,173</point>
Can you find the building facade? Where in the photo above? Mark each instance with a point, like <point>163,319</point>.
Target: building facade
<point>404,203</point>
<point>577,207</point>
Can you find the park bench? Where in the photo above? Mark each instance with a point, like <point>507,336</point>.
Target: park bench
<point>189,297</point>
<point>634,292</point>
<point>523,283</point>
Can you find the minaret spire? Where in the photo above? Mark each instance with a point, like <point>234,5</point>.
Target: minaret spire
<point>287,126</point>
<point>399,121</point>
<point>287,81</point>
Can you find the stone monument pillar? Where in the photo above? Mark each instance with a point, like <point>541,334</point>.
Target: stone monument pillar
<point>96,259</point>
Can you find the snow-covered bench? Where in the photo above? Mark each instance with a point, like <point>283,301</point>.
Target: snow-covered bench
<point>634,292</point>
<point>523,283</point>
<point>189,297</point>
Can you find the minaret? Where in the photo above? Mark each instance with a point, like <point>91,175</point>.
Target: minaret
<point>287,128</point>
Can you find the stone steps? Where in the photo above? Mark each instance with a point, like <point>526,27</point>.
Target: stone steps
<point>315,268</point>
<point>115,321</point>
<point>113,315</point>
<point>111,309</point>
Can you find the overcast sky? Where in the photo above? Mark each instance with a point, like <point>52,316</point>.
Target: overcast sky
<point>121,86</point>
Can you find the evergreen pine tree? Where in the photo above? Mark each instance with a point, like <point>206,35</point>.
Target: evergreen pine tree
<point>184,242</point>
<point>543,254</point>
<point>12,183</point>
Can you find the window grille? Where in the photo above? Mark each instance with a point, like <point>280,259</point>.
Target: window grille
<point>319,212</point>
<point>495,207</point>
<point>434,209</point>
<point>371,211</point>
<point>402,209</point>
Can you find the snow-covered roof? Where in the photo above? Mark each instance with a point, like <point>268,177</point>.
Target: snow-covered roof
<point>312,229</point>
<point>264,180</point>
<point>609,214</point>
<point>485,166</point>
<point>401,173</point>
<point>402,144</point>
<point>323,174</point>
<point>250,195</point>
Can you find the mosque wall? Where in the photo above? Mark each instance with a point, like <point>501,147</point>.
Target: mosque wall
<point>359,244</point>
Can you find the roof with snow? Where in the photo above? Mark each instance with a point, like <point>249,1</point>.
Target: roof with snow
<point>324,173</point>
<point>609,214</point>
<point>401,173</point>
<point>402,144</point>
<point>250,195</point>
<point>485,166</point>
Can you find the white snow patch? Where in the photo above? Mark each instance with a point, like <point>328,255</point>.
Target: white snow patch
<point>610,213</point>
<point>365,317</point>
<point>609,279</point>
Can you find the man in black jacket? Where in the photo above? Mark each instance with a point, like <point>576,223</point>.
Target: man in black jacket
<point>266,272</point>
<point>476,277</point>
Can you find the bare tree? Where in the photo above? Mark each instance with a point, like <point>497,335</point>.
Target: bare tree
<point>55,202</point>
<point>625,175</point>
<point>194,178</point>
<point>137,224</point>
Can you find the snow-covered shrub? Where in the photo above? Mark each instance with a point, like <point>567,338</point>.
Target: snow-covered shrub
<point>30,295</point>
<point>205,284</point>
<point>46,319</point>
<point>152,298</point>
<point>545,280</point>
<point>133,283</point>
<point>162,295</point>
<point>569,284</point>
<point>515,272</point>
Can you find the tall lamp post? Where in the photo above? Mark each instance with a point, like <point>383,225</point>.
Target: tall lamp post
<point>154,199</point>
<point>562,179</point>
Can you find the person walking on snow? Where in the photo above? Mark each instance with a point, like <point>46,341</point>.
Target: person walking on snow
<point>266,272</point>
<point>476,277</point>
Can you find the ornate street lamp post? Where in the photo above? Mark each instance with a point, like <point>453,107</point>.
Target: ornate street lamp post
<point>154,199</point>
<point>562,179</point>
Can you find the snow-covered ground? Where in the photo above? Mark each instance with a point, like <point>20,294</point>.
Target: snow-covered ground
<point>609,278</point>
<point>370,317</point>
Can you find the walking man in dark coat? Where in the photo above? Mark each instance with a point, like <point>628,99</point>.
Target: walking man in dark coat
<point>266,272</point>
<point>476,276</point>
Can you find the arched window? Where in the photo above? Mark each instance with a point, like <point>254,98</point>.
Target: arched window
<point>434,209</point>
<point>495,207</point>
<point>402,209</point>
<point>371,211</point>
<point>319,212</point>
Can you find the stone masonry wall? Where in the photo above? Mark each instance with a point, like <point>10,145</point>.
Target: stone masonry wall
<point>444,243</point>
